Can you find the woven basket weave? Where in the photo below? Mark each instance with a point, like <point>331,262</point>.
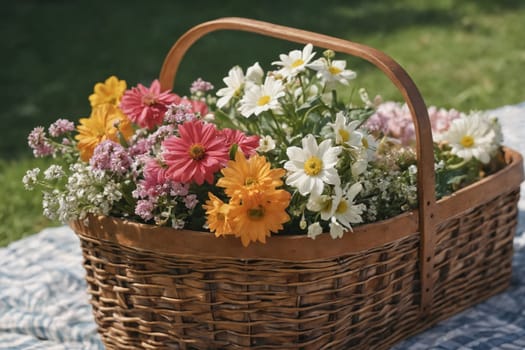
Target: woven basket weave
<point>157,288</point>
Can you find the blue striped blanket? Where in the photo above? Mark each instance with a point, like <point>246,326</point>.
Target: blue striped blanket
<point>44,303</point>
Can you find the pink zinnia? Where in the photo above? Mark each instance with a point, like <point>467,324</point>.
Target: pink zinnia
<point>196,155</point>
<point>246,144</point>
<point>146,106</point>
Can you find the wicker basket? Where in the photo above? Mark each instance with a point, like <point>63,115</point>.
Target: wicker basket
<point>157,288</point>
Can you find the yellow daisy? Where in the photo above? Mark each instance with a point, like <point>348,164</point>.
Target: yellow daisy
<point>252,174</point>
<point>217,215</point>
<point>109,92</point>
<point>105,123</point>
<point>259,214</point>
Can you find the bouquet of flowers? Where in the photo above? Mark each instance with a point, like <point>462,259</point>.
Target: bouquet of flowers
<point>283,151</point>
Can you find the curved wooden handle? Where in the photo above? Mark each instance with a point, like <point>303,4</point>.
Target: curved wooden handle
<point>418,109</point>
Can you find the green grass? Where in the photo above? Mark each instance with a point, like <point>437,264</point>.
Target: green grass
<point>20,210</point>
<point>461,54</point>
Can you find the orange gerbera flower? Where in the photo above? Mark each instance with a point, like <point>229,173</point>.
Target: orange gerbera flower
<point>217,215</point>
<point>105,123</point>
<point>252,174</point>
<point>259,214</point>
<point>110,91</point>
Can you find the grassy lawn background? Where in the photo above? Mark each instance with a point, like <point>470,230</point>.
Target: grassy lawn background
<point>461,54</point>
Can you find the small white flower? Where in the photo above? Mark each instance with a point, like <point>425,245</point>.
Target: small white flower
<point>254,74</point>
<point>336,230</point>
<point>234,85</point>
<point>260,98</point>
<point>314,230</point>
<point>295,62</point>
<point>363,94</point>
<point>266,144</point>
<point>312,166</point>
<point>302,222</point>
<point>496,126</point>
<point>345,133</point>
<point>334,71</point>
<point>178,224</point>
<point>302,96</point>
<point>473,136</point>
<point>30,179</point>
<point>54,172</point>
<point>360,164</point>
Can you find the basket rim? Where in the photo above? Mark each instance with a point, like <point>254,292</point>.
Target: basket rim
<point>166,240</point>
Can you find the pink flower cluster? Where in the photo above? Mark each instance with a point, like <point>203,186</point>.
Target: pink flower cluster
<point>394,120</point>
<point>44,146</point>
<point>200,85</point>
<point>179,113</point>
<point>441,118</point>
<point>111,156</point>
<point>60,127</point>
<point>155,187</point>
<point>39,143</point>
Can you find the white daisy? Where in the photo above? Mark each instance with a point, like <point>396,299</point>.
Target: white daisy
<point>234,85</point>
<point>345,133</point>
<point>260,98</point>
<point>346,211</point>
<point>334,71</point>
<point>473,136</point>
<point>266,144</point>
<point>340,206</point>
<point>314,230</point>
<point>322,204</point>
<point>369,144</point>
<point>312,166</point>
<point>295,62</point>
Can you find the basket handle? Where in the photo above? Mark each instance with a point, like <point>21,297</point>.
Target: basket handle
<point>411,95</point>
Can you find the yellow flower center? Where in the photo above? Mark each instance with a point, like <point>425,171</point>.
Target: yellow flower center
<point>313,166</point>
<point>345,135</point>
<point>148,100</point>
<point>298,62</point>
<point>256,213</point>
<point>326,204</point>
<point>197,151</point>
<point>334,70</point>
<point>237,92</point>
<point>364,141</point>
<point>342,207</point>
<point>250,181</point>
<point>467,141</point>
<point>263,100</point>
